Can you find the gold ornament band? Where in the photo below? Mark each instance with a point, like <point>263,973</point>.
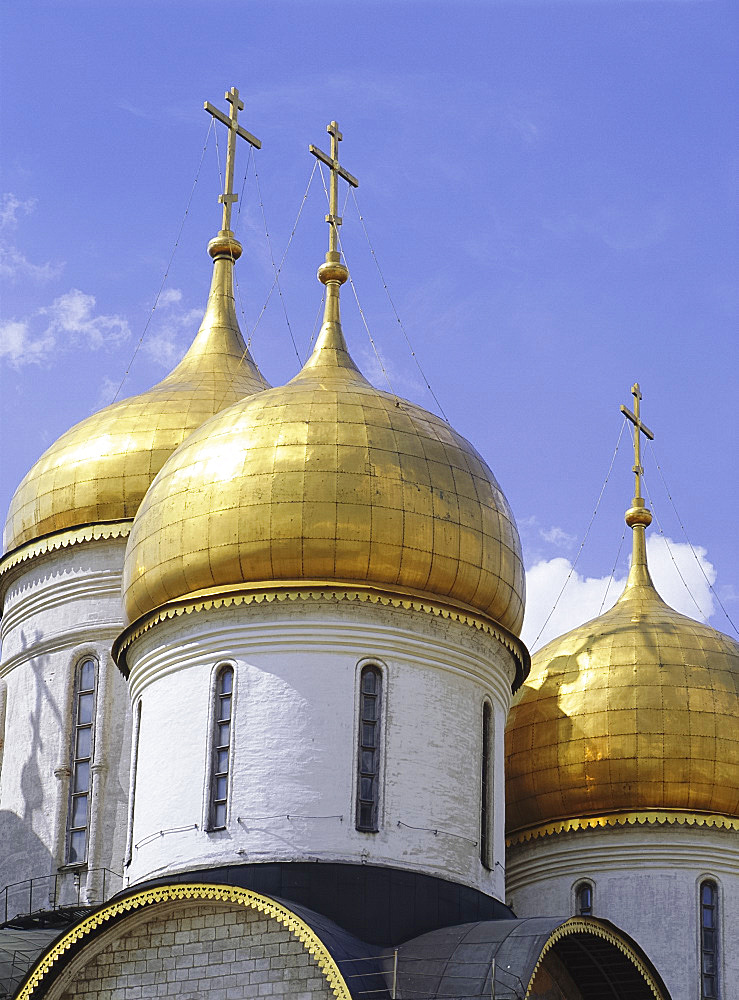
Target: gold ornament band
<point>318,591</point>
<point>658,817</point>
<point>209,893</point>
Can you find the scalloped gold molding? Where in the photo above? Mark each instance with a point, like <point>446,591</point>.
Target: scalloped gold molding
<point>580,925</point>
<point>63,539</point>
<point>644,817</point>
<point>165,893</point>
<point>318,591</point>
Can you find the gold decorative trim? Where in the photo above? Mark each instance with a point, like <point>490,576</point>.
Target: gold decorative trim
<point>581,925</point>
<point>165,893</point>
<point>63,539</point>
<point>318,591</point>
<point>647,817</point>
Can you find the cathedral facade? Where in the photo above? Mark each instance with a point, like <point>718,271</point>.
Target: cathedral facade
<point>268,727</point>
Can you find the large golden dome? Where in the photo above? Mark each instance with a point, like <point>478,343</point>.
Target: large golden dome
<point>101,468</point>
<point>328,481</point>
<point>635,710</point>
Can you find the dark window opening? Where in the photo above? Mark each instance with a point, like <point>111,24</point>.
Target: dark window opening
<point>220,748</point>
<point>486,797</point>
<point>709,941</point>
<point>584,898</point>
<point>78,821</point>
<point>368,757</point>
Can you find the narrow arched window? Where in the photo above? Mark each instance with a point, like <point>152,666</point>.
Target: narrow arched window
<point>83,742</point>
<point>584,899</point>
<point>220,747</point>
<point>368,750</point>
<point>486,791</point>
<point>709,940</point>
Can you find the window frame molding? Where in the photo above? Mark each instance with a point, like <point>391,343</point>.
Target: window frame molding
<point>382,668</point>
<point>216,670</point>
<point>137,713</point>
<point>702,879</point>
<point>577,885</point>
<point>486,851</point>
<point>81,656</point>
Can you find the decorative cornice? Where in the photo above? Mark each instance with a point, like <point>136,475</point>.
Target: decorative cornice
<point>92,532</point>
<point>653,817</point>
<point>583,925</point>
<point>39,975</point>
<point>317,591</point>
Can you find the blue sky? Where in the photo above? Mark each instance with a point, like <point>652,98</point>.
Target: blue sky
<point>548,188</point>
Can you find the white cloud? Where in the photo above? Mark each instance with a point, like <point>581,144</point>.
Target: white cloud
<point>10,207</point>
<point>172,330</point>
<point>108,389</point>
<point>557,536</point>
<point>19,347</point>
<point>72,314</point>
<point>170,295</point>
<point>70,319</point>
<point>583,597</point>
<point>13,262</point>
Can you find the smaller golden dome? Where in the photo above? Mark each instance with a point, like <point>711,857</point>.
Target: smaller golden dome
<point>635,710</point>
<point>328,481</point>
<point>101,468</point>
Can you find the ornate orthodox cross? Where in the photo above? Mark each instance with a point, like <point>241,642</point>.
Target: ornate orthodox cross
<point>231,122</point>
<point>332,162</point>
<point>639,427</point>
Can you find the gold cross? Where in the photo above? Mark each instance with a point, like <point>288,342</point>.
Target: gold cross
<point>231,122</point>
<point>638,427</point>
<point>332,162</point>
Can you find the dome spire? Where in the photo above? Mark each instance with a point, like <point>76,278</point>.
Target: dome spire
<point>219,335</point>
<point>232,124</point>
<point>638,516</point>
<point>330,350</point>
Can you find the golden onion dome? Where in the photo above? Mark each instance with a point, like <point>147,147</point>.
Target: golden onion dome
<point>635,710</point>
<point>100,469</point>
<point>327,481</point>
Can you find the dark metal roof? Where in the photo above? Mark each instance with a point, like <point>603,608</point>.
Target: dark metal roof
<point>457,962</point>
<point>19,950</point>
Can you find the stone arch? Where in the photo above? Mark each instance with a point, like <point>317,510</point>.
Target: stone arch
<point>88,939</point>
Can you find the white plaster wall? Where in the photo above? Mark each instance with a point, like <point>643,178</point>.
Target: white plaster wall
<point>294,738</point>
<point>59,607</point>
<point>646,881</point>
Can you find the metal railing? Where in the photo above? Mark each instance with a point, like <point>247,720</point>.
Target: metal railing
<point>48,893</point>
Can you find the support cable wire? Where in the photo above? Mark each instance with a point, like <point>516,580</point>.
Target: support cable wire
<point>282,259</point>
<point>685,535</point>
<point>585,536</point>
<point>613,571</point>
<point>274,266</point>
<point>274,282</point>
<point>315,326</point>
<point>397,316</point>
<point>674,562</point>
<point>361,311</point>
<point>169,265</point>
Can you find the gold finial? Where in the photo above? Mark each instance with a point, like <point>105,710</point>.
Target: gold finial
<point>638,516</point>
<point>333,269</point>
<point>231,122</point>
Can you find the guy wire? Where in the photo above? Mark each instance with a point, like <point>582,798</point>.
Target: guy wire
<point>685,535</point>
<point>585,536</point>
<point>397,316</point>
<point>169,265</point>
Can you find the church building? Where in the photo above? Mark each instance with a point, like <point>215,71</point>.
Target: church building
<point>267,727</point>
